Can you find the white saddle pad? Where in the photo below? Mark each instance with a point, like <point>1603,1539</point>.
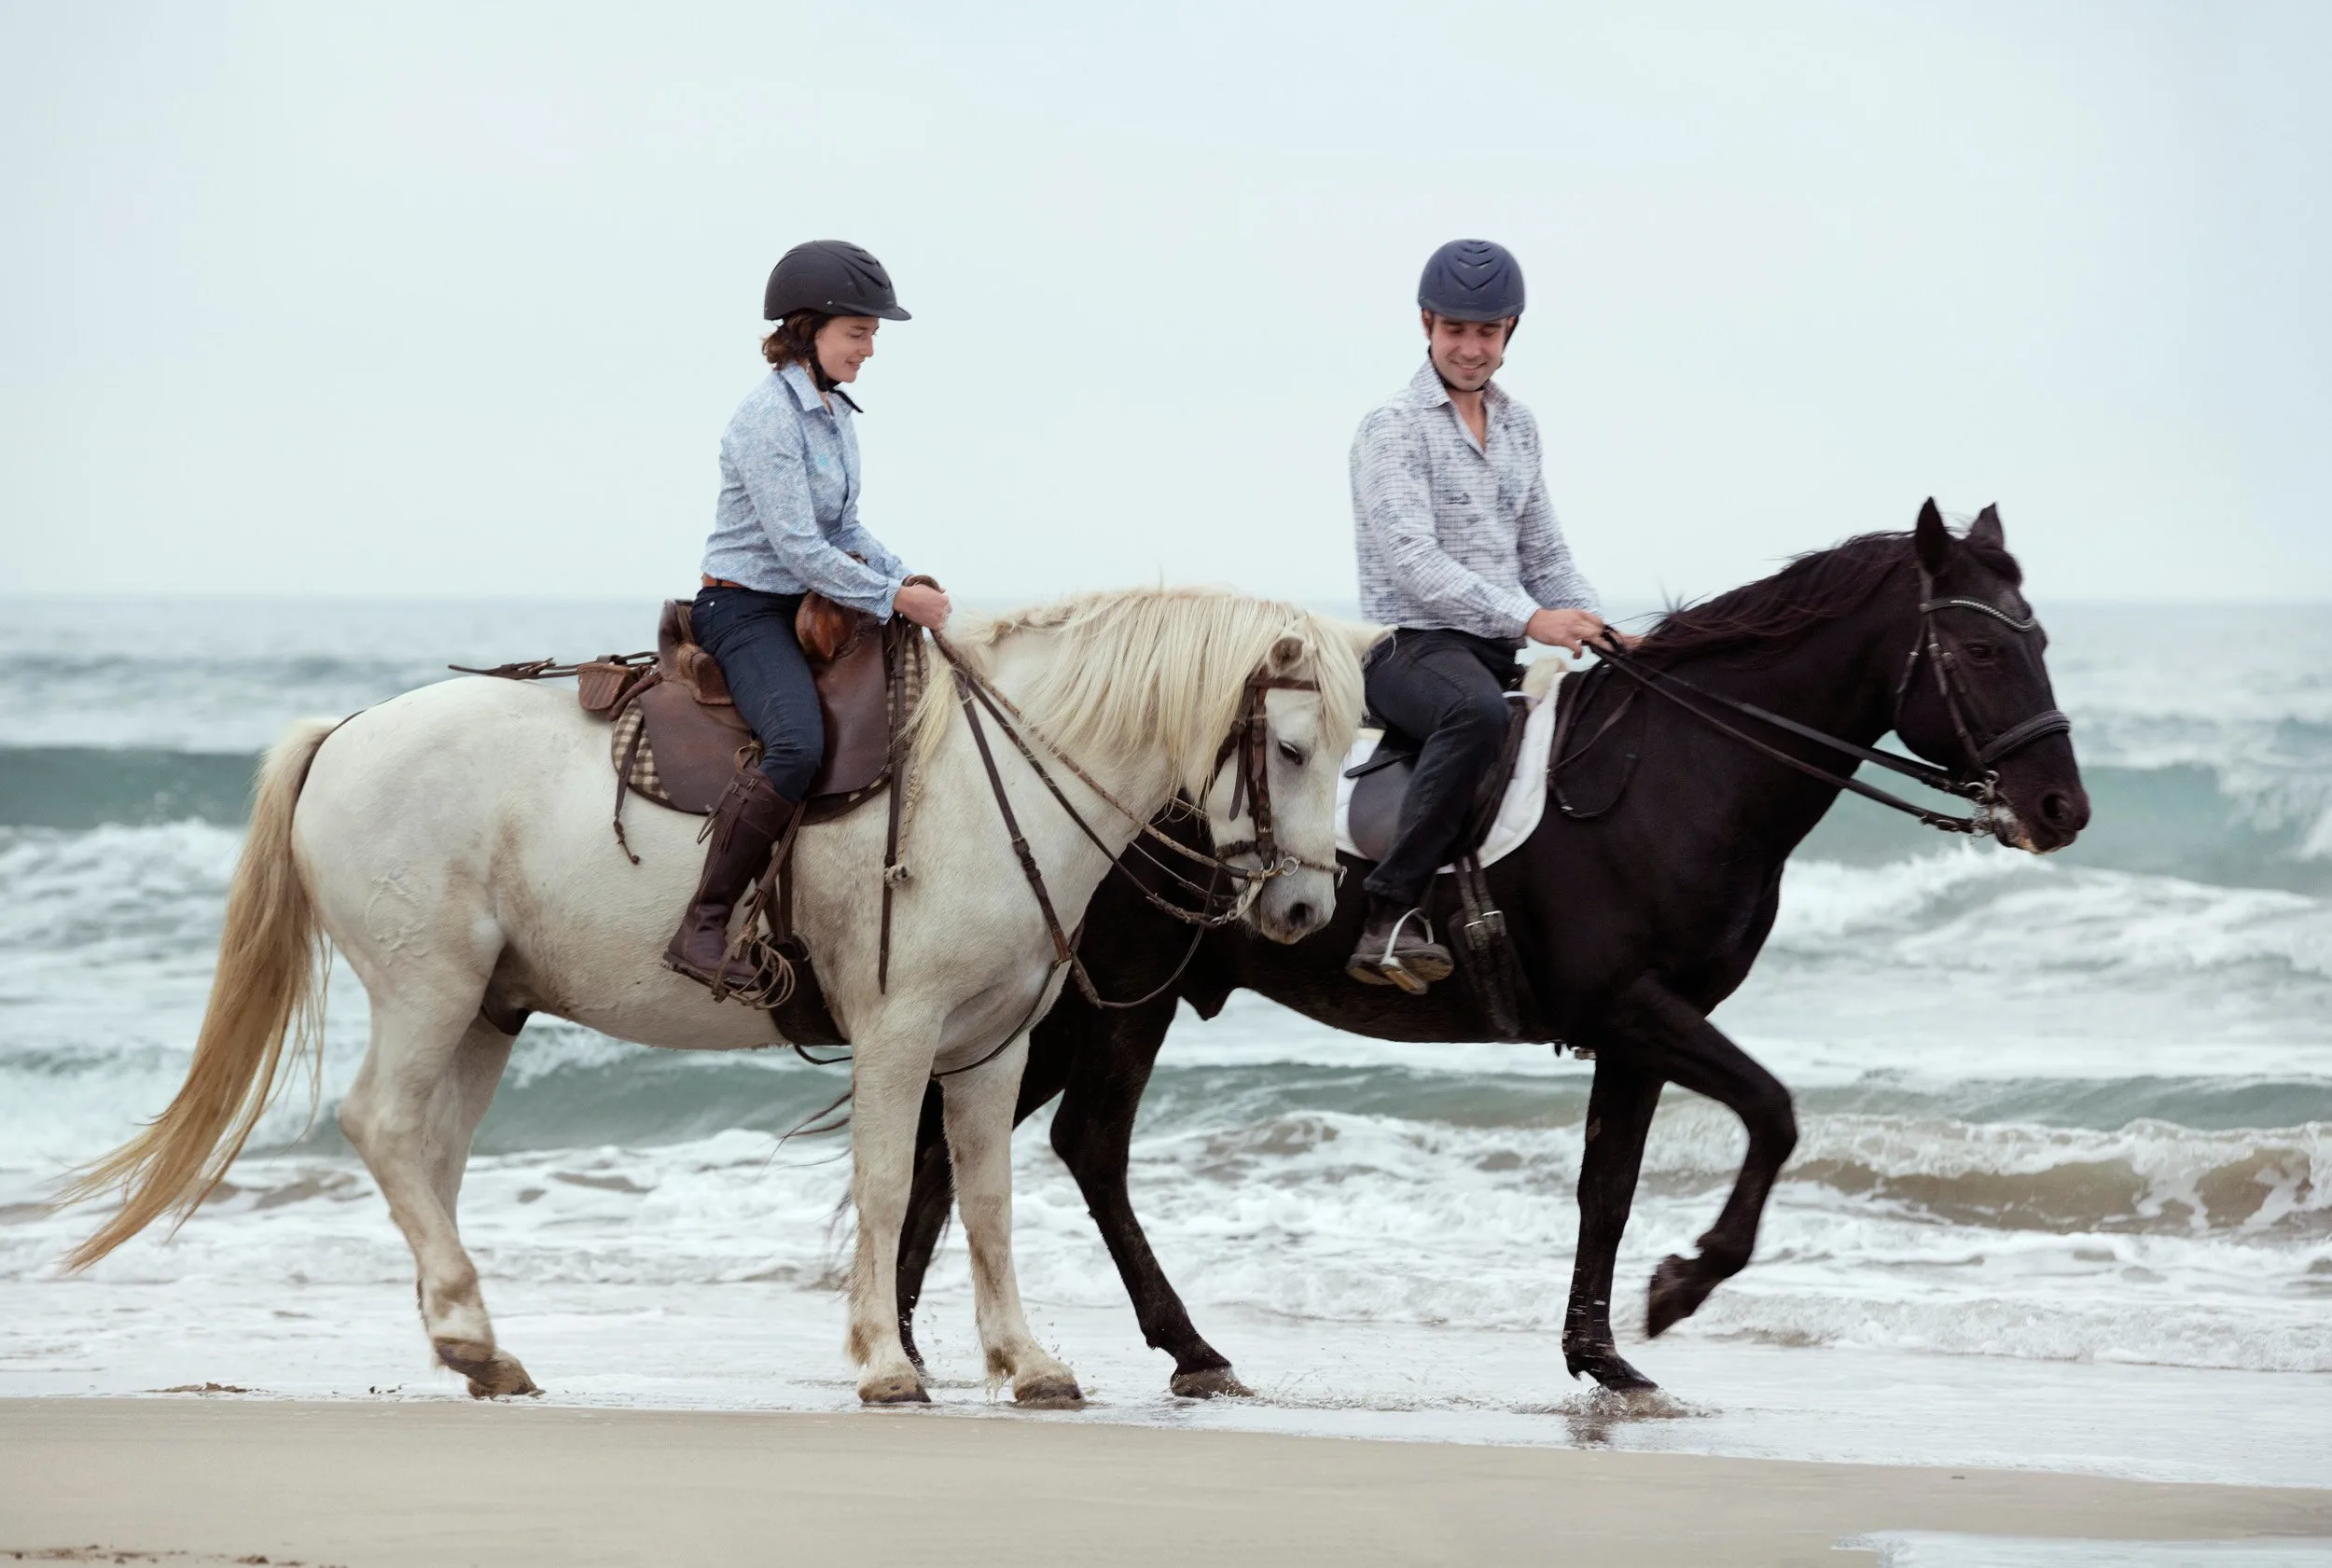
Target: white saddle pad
<point>1518,814</point>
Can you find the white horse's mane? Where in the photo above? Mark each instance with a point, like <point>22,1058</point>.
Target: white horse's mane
<point>1136,667</point>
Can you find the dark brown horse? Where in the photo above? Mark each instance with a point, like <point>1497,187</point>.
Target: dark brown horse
<point>1636,909</point>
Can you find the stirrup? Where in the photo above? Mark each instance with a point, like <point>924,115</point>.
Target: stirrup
<point>1391,966</point>
<point>1387,968</point>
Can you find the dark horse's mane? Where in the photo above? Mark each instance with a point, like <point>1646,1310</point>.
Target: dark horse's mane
<point>1816,588</point>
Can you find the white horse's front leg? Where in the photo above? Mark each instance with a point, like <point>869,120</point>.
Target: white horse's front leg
<point>891,1065</point>
<point>980,1104</point>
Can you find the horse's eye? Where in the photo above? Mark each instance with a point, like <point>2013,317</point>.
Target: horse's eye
<point>1293,753</point>
<point>1982,652</point>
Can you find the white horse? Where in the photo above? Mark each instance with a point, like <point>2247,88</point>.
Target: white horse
<point>456,839</point>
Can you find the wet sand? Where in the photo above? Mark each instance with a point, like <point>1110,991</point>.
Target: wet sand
<point>383,1485</point>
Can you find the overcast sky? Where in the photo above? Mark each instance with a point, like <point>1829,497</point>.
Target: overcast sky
<point>456,298</point>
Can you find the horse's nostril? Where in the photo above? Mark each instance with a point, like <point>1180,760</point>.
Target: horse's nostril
<point>2056,809</point>
<point>1299,914</point>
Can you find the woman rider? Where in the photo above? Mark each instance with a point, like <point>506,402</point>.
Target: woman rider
<point>787,524</point>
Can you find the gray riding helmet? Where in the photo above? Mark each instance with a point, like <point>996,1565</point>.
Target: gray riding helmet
<point>831,276</point>
<point>1472,280</point>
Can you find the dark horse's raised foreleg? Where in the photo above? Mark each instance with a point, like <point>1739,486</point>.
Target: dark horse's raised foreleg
<point>1658,1034</point>
<point>1099,1063</point>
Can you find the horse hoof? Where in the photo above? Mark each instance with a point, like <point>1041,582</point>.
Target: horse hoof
<point>1208,1383</point>
<point>899,1388</point>
<point>492,1375</point>
<point>1609,1368</point>
<point>1676,1294</point>
<point>1049,1390</point>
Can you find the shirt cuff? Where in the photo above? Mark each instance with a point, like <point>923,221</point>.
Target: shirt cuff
<point>1519,608</point>
<point>887,605</point>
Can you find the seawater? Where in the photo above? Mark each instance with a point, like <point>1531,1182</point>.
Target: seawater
<point>2074,1112</point>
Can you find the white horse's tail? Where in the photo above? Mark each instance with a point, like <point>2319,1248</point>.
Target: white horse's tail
<point>268,991</point>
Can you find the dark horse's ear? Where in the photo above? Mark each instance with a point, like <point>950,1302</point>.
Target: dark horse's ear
<point>1931,539</point>
<point>1986,530</point>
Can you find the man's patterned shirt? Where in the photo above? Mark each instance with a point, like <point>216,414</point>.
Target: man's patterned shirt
<point>1452,534</point>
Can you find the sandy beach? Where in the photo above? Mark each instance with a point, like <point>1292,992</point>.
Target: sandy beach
<point>383,1485</point>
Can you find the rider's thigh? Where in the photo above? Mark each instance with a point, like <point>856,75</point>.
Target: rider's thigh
<point>751,636</point>
<point>1427,685</point>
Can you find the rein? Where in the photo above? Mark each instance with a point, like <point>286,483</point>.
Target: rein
<point>1252,786</point>
<point>1982,791</point>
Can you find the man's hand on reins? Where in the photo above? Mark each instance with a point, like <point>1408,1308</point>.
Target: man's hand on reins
<point>1572,630</point>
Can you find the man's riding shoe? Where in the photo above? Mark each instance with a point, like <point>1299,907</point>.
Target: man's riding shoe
<point>747,821</point>
<point>1396,948</point>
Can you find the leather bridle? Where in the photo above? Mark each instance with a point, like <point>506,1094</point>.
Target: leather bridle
<point>1975,780</point>
<point>1950,684</point>
<point>1248,740</point>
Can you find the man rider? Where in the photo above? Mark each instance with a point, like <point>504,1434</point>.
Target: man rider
<point>1461,554</point>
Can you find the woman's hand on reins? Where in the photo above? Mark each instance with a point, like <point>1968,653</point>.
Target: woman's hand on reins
<point>926,606</point>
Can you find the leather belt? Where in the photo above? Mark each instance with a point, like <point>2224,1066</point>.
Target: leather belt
<point>724,582</point>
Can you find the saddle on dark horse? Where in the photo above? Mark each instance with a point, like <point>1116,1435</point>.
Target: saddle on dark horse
<point>676,738</point>
<point>1484,958</point>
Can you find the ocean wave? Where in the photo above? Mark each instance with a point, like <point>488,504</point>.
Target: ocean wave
<point>114,884</point>
<point>1368,1220</point>
<point>2247,802</point>
<point>218,678</point>
<point>2220,824</point>
<point>1975,906</point>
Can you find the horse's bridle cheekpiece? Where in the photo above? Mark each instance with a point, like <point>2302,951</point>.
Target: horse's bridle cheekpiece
<point>1248,738</point>
<point>1975,780</point>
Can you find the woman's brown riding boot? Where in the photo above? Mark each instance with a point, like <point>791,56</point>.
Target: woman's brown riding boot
<point>746,822</point>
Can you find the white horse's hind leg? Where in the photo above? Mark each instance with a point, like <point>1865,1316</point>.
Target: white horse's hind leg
<point>410,1112</point>
<point>461,1103</point>
<point>980,1106</point>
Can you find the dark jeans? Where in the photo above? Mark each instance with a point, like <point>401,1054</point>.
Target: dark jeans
<point>751,636</point>
<point>1447,690</point>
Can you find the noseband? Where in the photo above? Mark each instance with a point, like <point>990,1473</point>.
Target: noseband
<point>1975,780</point>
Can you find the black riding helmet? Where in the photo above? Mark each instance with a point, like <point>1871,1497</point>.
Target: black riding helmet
<point>833,277</point>
<point>1472,280</point>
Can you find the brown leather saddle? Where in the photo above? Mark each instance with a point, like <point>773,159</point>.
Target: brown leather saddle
<point>678,737</point>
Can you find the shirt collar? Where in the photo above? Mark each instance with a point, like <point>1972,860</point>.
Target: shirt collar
<point>796,375</point>
<point>1427,391</point>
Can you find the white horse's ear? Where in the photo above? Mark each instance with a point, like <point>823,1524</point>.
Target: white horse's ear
<point>1286,653</point>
